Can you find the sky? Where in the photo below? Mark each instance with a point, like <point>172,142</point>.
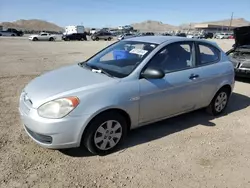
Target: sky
<point>109,13</point>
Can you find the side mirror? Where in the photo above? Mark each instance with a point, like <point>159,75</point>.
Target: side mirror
<point>153,73</point>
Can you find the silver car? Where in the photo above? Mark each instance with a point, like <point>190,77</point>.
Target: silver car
<point>129,84</point>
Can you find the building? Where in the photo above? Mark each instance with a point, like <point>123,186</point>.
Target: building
<point>213,28</point>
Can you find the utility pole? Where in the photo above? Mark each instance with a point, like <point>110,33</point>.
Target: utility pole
<point>231,20</point>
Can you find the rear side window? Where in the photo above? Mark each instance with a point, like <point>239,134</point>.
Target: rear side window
<point>208,54</point>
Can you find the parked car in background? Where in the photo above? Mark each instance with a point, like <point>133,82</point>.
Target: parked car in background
<point>148,34</point>
<point>240,53</point>
<point>5,33</point>
<point>223,36</point>
<point>208,35</point>
<point>11,32</point>
<point>181,35</point>
<point>131,83</point>
<point>195,36</point>
<point>42,37</point>
<point>93,31</point>
<point>102,36</point>
<point>75,36</point>
<point>166,34</point>
<point>125,27</point>
<point>125,36</point>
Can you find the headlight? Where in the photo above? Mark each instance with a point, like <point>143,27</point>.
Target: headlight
<point>58,108</point>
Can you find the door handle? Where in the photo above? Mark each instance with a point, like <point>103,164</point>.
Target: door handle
<point>193,76</point>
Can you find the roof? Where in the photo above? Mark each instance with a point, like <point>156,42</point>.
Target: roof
<point>162,39</point>
<point>212,26</point>
<point>154,39</point>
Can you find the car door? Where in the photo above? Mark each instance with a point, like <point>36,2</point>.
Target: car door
<point>101,35</point>
<point>106,35</point>
<point>179,91</point>
<point>212,72</point>
<point>43,37</point>
<point>75,36</point>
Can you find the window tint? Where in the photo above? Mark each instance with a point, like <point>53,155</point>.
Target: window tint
<point>43,34</point>
<point>173,57</point>
<point>208,54</point>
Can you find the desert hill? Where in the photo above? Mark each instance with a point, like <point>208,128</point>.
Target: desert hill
<point>34,24</point>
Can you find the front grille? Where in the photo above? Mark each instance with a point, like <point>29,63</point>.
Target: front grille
<point>39,137</point>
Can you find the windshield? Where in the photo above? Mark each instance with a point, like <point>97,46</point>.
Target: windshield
<point>121,58</point>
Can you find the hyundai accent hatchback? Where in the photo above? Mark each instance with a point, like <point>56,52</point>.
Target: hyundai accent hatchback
<point>129,84</point>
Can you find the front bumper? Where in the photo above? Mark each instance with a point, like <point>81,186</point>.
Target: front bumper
<point>240,72</point>
<point>53,133</point>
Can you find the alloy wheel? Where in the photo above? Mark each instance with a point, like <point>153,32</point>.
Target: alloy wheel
<point>220,102</point>
<point>108,135</point>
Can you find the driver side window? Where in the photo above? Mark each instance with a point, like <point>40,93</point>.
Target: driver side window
<point>174,57</point>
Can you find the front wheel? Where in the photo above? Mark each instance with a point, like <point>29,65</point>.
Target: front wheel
<point>105,133</point>
<point>219,102</point>
<point>109,39</point>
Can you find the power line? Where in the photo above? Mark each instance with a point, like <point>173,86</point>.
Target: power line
<point>230,25</point>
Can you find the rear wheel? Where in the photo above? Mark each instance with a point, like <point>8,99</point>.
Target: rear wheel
<point>12,35</point>
<point>51,39</point>
<point>219,102</point>
<point>105,133</point>
<point>96,38</point>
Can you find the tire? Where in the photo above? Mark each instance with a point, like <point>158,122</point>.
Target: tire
<point>109,39</point>
<point>100,144</point>
<point>12,35</point>
<point>96,38</point>
<point>51,39</point>
<point>35,39</point>
<point>221,97</point>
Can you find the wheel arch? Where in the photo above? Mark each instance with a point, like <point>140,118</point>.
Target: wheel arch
<point>227,86</point>
<point>103,111</point>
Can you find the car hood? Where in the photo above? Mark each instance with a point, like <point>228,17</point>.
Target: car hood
<point>64,82</point>
<point>242,36</point>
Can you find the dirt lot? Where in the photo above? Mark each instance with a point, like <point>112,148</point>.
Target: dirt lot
<point>192,150</point>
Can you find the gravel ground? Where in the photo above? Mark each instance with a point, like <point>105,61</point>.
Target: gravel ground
<point>192,150</point>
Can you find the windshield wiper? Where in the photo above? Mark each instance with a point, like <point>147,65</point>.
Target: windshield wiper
<point>94,68</point>
<point>99,70</point>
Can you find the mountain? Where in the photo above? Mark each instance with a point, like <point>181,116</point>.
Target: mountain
<point>153,26</point>
<point>34,24</point>
<point>156,26</point>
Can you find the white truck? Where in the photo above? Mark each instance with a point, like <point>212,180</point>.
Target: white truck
<point>74,29</point>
